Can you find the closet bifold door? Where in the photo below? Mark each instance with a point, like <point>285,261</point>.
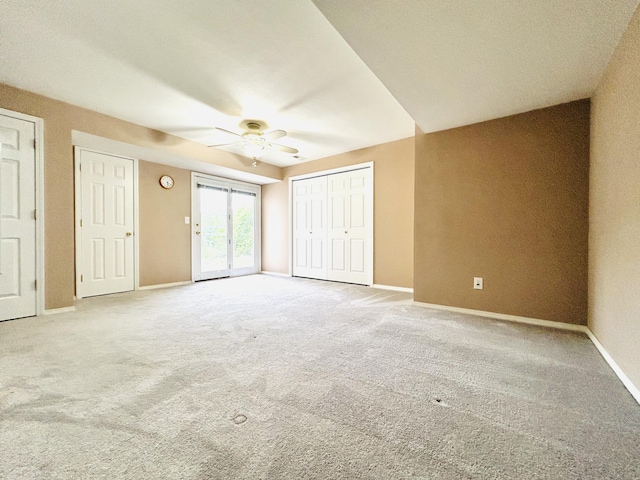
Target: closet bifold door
<point>310,228</point>
<point>332,227</point>
<point>349,233</point>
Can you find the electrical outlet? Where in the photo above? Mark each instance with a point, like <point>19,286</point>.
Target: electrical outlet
<point>186,220</point>
<point>478,283</point>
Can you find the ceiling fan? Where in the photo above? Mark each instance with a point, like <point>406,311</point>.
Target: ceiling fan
<point>253,140</point>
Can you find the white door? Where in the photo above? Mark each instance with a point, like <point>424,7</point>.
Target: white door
<point>211,235</point>
<point>106,260</point>
<point>226,228</point>
<point>17,219</point>
<point>310,228</point>
<point>350,216</point>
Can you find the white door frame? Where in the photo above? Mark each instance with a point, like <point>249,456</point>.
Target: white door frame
<point>258,219</point>
<point>349,168</point>
<point>39,191</point>
<point>78,216</point>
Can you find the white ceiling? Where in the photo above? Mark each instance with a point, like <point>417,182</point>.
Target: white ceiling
<point>453,63</point>
<point>184,66</point>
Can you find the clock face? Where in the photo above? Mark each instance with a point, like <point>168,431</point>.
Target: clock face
<point>166,181</point>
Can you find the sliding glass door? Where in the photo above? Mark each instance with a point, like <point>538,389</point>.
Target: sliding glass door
<point>243,214</point>
<point>225,228</point>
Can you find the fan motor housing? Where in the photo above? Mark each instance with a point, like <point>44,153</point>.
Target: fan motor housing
<point>256,126</point>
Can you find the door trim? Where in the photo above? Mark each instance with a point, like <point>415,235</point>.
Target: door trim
<point>39,191</point>
<point>78,213</point>
<point>231,183</point>
<point>371,191</point>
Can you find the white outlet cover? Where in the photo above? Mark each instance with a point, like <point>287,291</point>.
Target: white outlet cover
<point>478,283</point>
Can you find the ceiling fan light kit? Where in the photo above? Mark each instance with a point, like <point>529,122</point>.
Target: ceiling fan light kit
<point>253,149</point>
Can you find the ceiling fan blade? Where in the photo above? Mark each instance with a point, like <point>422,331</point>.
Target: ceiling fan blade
<point>274,134</point>
<point>283,148</point>
<point>226,131</point>
<point>222,144</point>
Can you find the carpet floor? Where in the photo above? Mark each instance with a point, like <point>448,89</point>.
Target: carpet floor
<point>265,377</point>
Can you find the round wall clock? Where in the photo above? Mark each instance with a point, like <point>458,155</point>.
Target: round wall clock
<point>166,181</point>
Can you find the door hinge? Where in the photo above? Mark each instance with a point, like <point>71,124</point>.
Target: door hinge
<point>81,278</point>
<point>35,214</point>
<point>80,223</point>
<point>34,143</point>
<point>35,284</point>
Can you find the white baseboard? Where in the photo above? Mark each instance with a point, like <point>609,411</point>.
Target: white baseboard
<point>504,316</point>
<point>55,311</point>
<point>633,390</point>
<point>165,285</point>
<point>275,274</point>
<point>391,287</point>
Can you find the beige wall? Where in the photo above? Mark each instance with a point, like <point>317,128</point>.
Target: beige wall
<point>165,240</point>
<point>393,210</point>
<point>506,200</point>
<point>614,233</point>
<point>59,120</point>
<point>275,227</point>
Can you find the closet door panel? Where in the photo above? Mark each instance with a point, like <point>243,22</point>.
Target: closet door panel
<point>350,232</point>
<point>339,259</point>
<point>357,253</point>
<point>310,228</point>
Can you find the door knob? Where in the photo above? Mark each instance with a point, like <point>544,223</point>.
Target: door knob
<point>128,234</point>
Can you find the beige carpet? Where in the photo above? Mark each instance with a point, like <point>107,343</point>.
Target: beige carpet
<point>277,378</point>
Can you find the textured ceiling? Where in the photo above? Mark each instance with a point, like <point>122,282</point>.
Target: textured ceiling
<point>184,67</point>
<point>453,63</point>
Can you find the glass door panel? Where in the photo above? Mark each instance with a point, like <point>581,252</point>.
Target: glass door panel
<point>243,206</point>
<point>214,232</point>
